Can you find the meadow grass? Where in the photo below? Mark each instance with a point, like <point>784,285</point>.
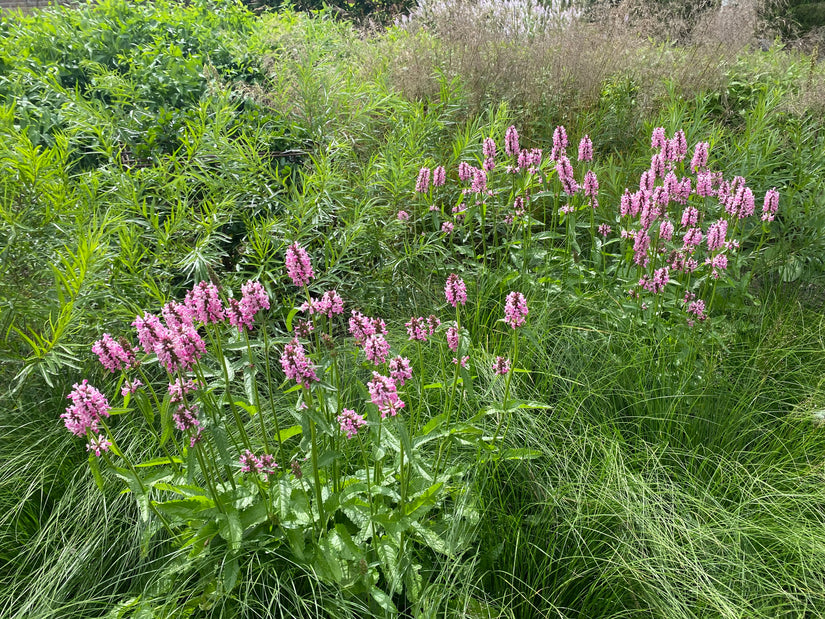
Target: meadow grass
<point>675,472</point>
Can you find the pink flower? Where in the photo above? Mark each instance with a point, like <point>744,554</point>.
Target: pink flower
<point>666,230</point>
<point>489,148</point>
<point>565,172</point>
<point>463,361</point>
<point>178,388</point>
<point>748,206</point>
<point>591,184</point>
<point>716,234</point>
<point>250,463</point>
<point>697,308</point>
<point>179,347</point>
<point>98,444</point>
<point>177,315</point>
<point>439,176</point>
<point>640,246</point>
<point>604,230</point>
<point>692,238</point>
<point>501,366</point>
<point>298,265</point>
<point>586,149</point>
<point>186,418</point>
<point>658,140</point>
<point>329,304</point>
<point>511,146</point>
<point>403,216</point>
<point>690,217</point>
<point>559,143</point>
<point>204,303</point>
<point>253,300</point>
<point>625,204</point>
<point>771,205</point>
<point>417,329</point>
<point>657,165</point>
<point>383,393</point>
<point>447,227</point>
<point>515,309</point>
<point>113,355</point>
<point>719,261</point>
<point>400,370</point>
<point>479,181</point>
<point>465,171</point>
<point>376,348</point>
<point>150,331</point>
<point>433,322</point>
<point>130,387</point>
<point>677,146</point>
<point>361,327</point>
<point>350,422</point>
<point>296,364</point>
<point>455,290</point>
<point>452,338</point>
<point>700,157</point>
<point>422,185</point>
<point>704,184</point>
<point>647,180</point>
<point>88,404</point>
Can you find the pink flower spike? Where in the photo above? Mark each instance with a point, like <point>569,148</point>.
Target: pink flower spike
<point>586,149</point>
<point>98,444</point>
<point>501,366</point>
<point>465,171</point>
<point>439,176</point>
<point>489,148</point>
<point>376,348</point>
<point>447,227</point>
<point>700,157</point>
<point>422,185</point>
<point>604,230</point>
<point>511,146</point>
<point>350,422</point>
<point>297,366</point>
<point>88,405</point>
<point>298,265</point>
<point>130,387</point>
<point>403,216</point>
<point>204,303</point>
<point>455,290</point>
<point>113,355</point>
<point>515,309</point>
<point>400,370</point>
<point>559,143</point>
<point>463,361</point>
<point>452,338</point>
<point>658,140</point>
<point>771,205</point>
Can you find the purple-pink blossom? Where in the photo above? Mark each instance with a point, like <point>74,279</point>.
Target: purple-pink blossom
<point>515,309</point>
<point>658,139</point>
<point>479,181</point>
<point>452,338</point>
<point>565,173</point>
<point>204,302</point>
<point>690,217</point>
<point>700,157</point>
<point>130,387</point>
<point>716,234</point>
<point>501,366</point>
<point>113,355</point>
<point>98,444</point>
<point>383,393</point>
<point>350,422</point>
<point>511,146</point>
<point>376,348</point>
<point>150,331</point>
<point>328,305</point>
<point>641,244</point>
<point>250,463</point>
<point>422,184</point>
<point>417,329</point>
<point>88,405</point>
<point>586,149</point>
<point>179,387</point>
<point>488,148</point>
<point>692,238</point>
<point>463,361</point>
<point>400,370</point>
<point>666,230</point>
<point>403,216</point>
<point>455,290</point>
<point>296,365</point>
<point>186,418</point>
<point>439,176</point>
<point>559,143</point>
<point>771,205</point>
<point>604,230</point>
<point>447,227</point>
<point>298,265</point>
<point>465,171</point>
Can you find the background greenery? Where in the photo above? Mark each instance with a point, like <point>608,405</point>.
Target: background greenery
<point>145,146</point>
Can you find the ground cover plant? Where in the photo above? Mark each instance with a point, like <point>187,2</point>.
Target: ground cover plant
<point>346,336</point>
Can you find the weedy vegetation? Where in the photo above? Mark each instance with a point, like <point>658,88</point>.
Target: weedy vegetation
<point>466,316</point>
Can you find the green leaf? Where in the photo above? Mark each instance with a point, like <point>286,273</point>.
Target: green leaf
<point>231,529</point>
<point>421,504</point>
<point>94,464</point>
<point>159,462</point>
<point>290,317</point>
<point>388,554</point>
<point>231,570</point>
<point>288,433</point>
<point>249,408</point>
